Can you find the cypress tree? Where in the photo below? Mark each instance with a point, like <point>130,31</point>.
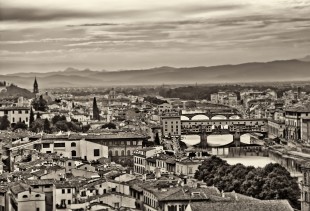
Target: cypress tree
<point>31,117</point>
<point>96,112</point>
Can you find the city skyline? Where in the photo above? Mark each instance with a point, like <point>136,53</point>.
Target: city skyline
<point>53,35</point>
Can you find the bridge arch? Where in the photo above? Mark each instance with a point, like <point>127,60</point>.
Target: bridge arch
<point>184,118</point>
<point>219,117</point>
<point>200,117</point>
<point>234,117</point>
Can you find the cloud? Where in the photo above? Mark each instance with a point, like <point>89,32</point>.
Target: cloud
<point>33,14</point>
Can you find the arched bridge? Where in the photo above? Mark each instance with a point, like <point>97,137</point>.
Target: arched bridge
<point>210,116</point>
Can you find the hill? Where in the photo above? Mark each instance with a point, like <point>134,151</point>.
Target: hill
<point>284,70</point>
<point>13,91</point>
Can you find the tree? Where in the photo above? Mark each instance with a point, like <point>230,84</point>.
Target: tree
<point>62,125</point>
<point>47,126</point>
<point>58,118</point>
<point>39,104</point>
<point>157,140</point>
<point>4,123</point>
<point>20,125</point>
<point>31,116</point>
<point>96,112</point>
<point>37,125</point>
<point>85,128</point>
<point>271,182</point>
<point>109,125</point>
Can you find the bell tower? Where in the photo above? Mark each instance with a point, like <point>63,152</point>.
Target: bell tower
<point>35,86</point>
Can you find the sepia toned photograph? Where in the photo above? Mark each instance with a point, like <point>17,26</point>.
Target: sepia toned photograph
<point>153,105</point>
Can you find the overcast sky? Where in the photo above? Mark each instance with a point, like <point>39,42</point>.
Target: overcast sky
<point>48,35</point>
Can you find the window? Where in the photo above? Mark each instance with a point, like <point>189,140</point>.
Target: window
<point>20,111</point>
<point>59,144</point>
<point>26,119</point>
<point>63,191</point>
<point>38,209</point>
<point>69,191</point>
<point>13,120</point>
<point>69,201</point>
<point>25,196</point>
<point>12,112</point>
<point>26,111</point>
<point>38,195</point>
<point>73,144</point>
<point>96,152</point>
<point>46,145</point>
<point>69,164</point>
<point>73,153</point>
<point>20,119</point>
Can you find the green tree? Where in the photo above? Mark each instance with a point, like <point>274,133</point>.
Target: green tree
<point>58,118</point>
<point>85,128</point>
<point>39,104</point>
<point>37,125</point>
<point>31,116</point>
<point>47,126</point>
<point>4,123</point>
<point>271,182</point>
<point>62,125</point>
<point>96,112</point>
<point>20,125</point>
<point>109,125</point>
<point>157,140</point>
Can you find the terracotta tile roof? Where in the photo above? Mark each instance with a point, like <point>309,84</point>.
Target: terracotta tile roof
<point>260,205</point>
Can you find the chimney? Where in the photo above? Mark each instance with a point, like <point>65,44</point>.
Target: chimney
<point>223,194</point>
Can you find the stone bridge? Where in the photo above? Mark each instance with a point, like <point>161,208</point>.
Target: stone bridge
<point>207,116</point>
<point>225,125</point>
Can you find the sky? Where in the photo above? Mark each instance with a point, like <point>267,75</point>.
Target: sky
<point>51,35</point>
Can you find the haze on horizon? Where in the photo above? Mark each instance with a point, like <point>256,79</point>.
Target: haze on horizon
<point>51,35</point>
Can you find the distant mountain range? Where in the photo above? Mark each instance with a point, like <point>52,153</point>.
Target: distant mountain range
<point>283,70</point>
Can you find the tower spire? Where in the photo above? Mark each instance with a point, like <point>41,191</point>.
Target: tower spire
<point>35,86</point>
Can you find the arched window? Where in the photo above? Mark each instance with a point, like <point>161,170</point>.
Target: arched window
<point>123,153</point>
<point>73,144</point>
<point>38,195</point>
<point>73,153</point>
<point>116,153</point>
<point>25,196</point>
<point>110,153</point>
<point>69,164</point>
<point>128,152</point>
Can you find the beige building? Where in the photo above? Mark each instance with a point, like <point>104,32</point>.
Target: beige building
<point>164,108</point>
<point>305,129</point>
<point>171,125</point>
<point>16,114</point>
<point>187,167</point>
<point>24,198</point>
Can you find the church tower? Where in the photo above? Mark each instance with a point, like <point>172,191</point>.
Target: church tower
<point>35,86</point>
